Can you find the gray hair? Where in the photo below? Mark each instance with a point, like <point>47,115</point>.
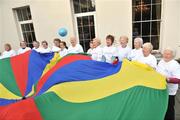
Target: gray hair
<point>139,39</point>
<point>97,40</point>
<point>170,49</point>
<point>148,45</point>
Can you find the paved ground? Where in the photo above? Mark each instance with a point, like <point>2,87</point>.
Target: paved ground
<point>177,105</point>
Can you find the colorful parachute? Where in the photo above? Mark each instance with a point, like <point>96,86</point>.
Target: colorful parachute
<point>36,86</point>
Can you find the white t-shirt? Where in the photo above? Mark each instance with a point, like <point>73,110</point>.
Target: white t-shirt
<point>97,53</point>
<point>89,51</point>
<point>135,54</point>
<point>149,60</point>
<point>43,50</point>
<point>7,54</point>
<point>123,52</point>
<point>21,50</point>
<point>63,52</point>
<point>36,49</point>
<point>109,52</point>
<point>170,69</point>
<point>55,49</point>
<point>77,49</point>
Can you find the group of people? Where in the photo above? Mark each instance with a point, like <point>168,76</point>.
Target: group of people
<point>109,53</point>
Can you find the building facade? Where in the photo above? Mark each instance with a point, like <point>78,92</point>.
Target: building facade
<point>156,21</point>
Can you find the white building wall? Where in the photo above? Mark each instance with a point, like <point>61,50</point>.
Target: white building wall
<point>0,26</point>
<point>170,33</point>
<point>114,17</point>
<point>47,15</point>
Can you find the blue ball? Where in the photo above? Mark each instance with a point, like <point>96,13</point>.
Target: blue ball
<point>62,32</point>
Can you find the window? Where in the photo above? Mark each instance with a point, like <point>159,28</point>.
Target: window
<point>26,24</point>
<point>146,16</point>
<point>84,13</point>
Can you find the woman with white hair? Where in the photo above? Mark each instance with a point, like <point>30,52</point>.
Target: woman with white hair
<point>97,51</point>
<point>75,47</point>
<point>123,50</point>
<point>137,51</point>
<point>147,57</point>
<point>171,69</point>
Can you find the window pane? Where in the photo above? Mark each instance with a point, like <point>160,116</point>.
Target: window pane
<point>91,20</point>
<point>155,42</point>
<point>92,29</point>
<point>81,6</point>
<point>22,27</point>
<point>146,39</point>
<point>31,27</point>
<point>76,6</point>
<point>136,29</point>
<point>146,2</point>
<point>136,2</point>
<point>156,12</point>
<point>155,29</point>
<point>156,1</point>
<point>79,21</point>
<point>29,13</point>
<point>85,20</point>
<point>91,5</point>
<point>145,28</point>
<point>136,13</point>
<point>86,32</point>
<point>33,36</point>
<point>146,12</point>
<point>24,13</point>
<point>80,31</point>
<point>19,15</point>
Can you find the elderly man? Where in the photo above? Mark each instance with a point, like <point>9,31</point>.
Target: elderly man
<point>97,51</point>
<point>137,51</point>
<point>23,48</point>
<point>147,57</point>
<point>171,69</point>
<point>123,50</point>
<point>75,47</point>
<point>109,51</point>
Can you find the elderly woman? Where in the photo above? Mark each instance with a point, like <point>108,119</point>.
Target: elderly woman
<point>97,51</point>
<point>147,57</point>
<point>171,69</point>
<point>75,47</point>
<point>23,47</point>
<point>137,51</point>
<point>123,50</point>
<point>8,51</point>
<point>109,51</point>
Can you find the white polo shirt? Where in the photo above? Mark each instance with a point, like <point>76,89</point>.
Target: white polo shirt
<point>63,52</point>
<point>170,69</point>
<point>43,50</point>
<point>7,54</point>
<point>135,54</point>
<point>55,49</point>
<point>123,52</point>
<point>97,53</point>
<point>89,51</point>
<point>77,49</point>
<point>109,52</point>
<point>149,60</point>
<point>21,50</point>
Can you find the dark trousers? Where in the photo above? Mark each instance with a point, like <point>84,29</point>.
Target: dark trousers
<point>170,114</point>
